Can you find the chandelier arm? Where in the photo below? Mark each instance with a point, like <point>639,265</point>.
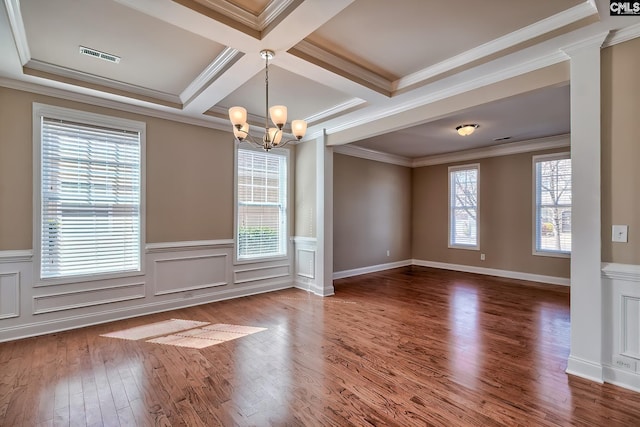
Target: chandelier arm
<point>266,85</point>
<point>272,136</point>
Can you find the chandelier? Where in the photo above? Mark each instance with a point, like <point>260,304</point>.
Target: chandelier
<point>272,135</point>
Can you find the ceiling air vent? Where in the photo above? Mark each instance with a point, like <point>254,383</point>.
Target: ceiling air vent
<point>100,55</point>
<point>504,138</point>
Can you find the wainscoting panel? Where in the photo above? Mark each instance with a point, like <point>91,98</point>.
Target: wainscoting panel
<point>70,300</point>
<point>251,272</point>
<point>306,265</point>
<point>630,326</point>
<point>9,295</point>
<point>177,275</point>
<point>189,273</point>
<point>621,332</point>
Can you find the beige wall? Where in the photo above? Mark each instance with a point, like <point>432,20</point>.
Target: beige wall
<point>305,194</point>
<point>621,150</point>
<point>189,175</point>
<point>371,213</point>
<point>506,218</point>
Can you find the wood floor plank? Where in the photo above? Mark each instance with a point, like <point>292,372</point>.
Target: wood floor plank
<point>405,347</point>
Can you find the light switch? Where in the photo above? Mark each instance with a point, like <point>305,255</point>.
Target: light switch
<point>619,233</point>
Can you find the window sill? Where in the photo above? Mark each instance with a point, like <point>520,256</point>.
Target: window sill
<point>552,254</point>
<point>64,280</point>
<point>464,247</point>
<point>259,260</point>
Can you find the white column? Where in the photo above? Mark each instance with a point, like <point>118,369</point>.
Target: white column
<point>324,216</point>
<point>585,359</point>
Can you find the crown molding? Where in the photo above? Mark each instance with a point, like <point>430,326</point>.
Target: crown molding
<point>234,12</point>
<point>537,29</point>
<point>17,28</point>
<point>378,156</point>
<point>594,41</point>
<point>348,67</point>
<point>532,145</point>
<point>336,109</point>
<point>212,123</point>
<point>622,35</point>
<point>220,64</point>
<point>68,73</point>
<point>272,12</point>
<point>539,144</point>
<point>269,15</point>
<point>524,67</point>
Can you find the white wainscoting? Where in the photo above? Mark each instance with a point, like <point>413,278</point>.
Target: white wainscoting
<point>9,294</point>
<point>621,331</point>
<point>188,273</point>
<point>306,272</point>
<point>78,299</point>
<point>177,274</point>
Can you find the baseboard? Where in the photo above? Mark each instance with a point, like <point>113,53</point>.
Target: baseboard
<point>371,269</point>
<point>626,379</point>
<point>106,316</point>
<point>585,369</point>
<point>553,280</point>
<point>314,288</point>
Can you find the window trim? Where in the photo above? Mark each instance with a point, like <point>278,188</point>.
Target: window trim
<point>451,245</point>
<point>55,112</point>
<point>287,254</point>
<point>534,193</point>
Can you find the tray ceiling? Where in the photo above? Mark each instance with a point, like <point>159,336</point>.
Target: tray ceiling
<point>347,66</point>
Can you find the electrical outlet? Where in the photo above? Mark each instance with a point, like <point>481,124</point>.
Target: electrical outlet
<point>482,257</point>
<point>624,363</point>
<point>388,252</point>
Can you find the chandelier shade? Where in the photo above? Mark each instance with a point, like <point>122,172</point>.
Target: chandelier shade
<point>278,114</point>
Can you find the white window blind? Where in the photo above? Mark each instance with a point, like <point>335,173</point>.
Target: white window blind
<point>262,204</point>
<point>552,203</point>
<point>463,206</point>
<point>90,199</point>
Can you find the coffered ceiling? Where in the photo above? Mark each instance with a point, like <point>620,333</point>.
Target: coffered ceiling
<point>376,73</point>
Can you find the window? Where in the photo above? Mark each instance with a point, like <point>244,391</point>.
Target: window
<point>89,191</point>
<point>464,182</point>
<point>261,204</point>
<point>552,214</point>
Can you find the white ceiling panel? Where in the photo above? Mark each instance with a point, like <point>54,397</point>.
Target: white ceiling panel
<point>400,37</point>
<point>154,55</point>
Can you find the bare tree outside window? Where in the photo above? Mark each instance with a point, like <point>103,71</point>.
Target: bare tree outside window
<point>553,204</point>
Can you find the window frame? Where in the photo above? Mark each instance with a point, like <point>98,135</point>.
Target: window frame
<point>82,117</point>
<point>450,243</point>
<point>534,229</point>
<point>288,220</point>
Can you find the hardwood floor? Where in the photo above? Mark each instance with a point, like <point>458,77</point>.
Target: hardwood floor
<point>406,347</point>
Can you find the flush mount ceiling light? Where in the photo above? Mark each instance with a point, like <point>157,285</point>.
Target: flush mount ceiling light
<point>464,130</point>
<point>272,136</point>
